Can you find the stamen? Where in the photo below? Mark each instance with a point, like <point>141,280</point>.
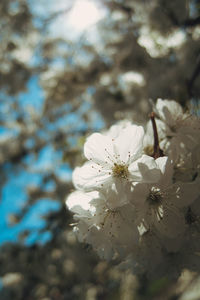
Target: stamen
<point>99,169</point>
<point>120,171</point>
<point>108,155</point>
<point>155,197</point>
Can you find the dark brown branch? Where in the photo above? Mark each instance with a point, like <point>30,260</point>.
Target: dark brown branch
<point>193,78</point>
<point>157,152</point>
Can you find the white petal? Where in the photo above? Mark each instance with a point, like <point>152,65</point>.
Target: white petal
<point>77,198</point>
<point>129,143</point>
<point>172,224</point>
<point>166,167</point>
<point>185,193</point>
<point>118,194</point>
<point>91,176</point>
<point>150,252</point>
<point>162,163</point>
<point>172,244</point>
<point>145,169</point>
<point>79,202</point>
<point>81,231</point>
<point>116,129</point>
<point>169,111</point>
<point>100,243</point>
<point>99,149</point>
<point>139,195</point>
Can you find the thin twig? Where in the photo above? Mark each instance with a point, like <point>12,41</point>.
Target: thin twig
<point>157,152</point>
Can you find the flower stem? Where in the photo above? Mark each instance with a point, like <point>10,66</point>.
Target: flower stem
<point>157,152</point>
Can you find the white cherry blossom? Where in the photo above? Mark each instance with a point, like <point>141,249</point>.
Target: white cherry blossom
<point>116,160</point>
<point>180,132</point>
<point>109,230</point>
<point>160,205</point>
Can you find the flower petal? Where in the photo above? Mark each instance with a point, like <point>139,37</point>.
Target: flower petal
<point>91,176</point>
<point>169,111</point>
<point>145,169</point>
<point>166,167</point>
<point>185,193</point>
<point>129,143</point>
<point>99,149</point>
<point>172,224</point>
<point>118,194</point>
<point>79,202</point>
<point>139,195</point>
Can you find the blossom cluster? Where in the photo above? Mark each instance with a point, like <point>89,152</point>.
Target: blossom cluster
<point>138,192</point>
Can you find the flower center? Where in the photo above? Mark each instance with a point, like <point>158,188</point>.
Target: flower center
<point>120,171</point>
<point>155,197</point>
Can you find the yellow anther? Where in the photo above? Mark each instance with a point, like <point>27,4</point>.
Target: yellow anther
<point>120,171</point>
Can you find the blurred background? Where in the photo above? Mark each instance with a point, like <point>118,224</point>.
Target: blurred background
<point>69,68</point>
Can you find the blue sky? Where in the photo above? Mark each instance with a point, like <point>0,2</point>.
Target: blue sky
<point>13,200</point>
<point>31,174</point>
<point>14,192</point>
